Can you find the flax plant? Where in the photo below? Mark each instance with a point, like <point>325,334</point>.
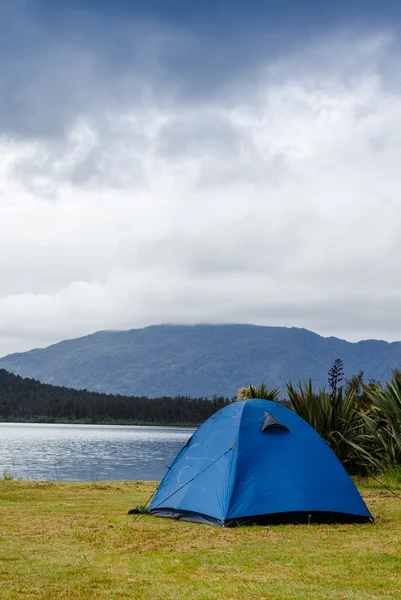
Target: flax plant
<point>261,391</point>
<point>342,418</point>
<point>386,410</point>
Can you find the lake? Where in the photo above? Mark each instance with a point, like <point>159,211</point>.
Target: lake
<point>88,452</point>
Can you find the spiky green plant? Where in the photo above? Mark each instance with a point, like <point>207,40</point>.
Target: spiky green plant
<point>338,417</point>
<point>386,408</point>
<point>361,423</point>
<point>260,391</point>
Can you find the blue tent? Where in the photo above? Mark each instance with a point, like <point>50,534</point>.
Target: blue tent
<point>257,461</point>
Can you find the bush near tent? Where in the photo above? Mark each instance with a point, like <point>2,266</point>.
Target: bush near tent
<point>385,417</point>
<point>361,422</point>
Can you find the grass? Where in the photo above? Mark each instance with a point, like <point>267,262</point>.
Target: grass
<point>75,540</point>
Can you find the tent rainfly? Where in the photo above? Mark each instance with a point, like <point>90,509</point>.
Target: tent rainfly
<point>257,461</point>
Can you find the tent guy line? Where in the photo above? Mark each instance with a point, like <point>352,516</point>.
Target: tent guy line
<point>198,474</point>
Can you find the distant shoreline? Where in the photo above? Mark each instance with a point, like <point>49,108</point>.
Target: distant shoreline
<point>45,421</point>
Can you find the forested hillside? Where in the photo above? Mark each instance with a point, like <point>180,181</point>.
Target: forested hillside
<point>29,400</point>
<point>200,360</point>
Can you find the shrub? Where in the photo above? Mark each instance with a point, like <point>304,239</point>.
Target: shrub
<point>386,416</point>
<point>245,393</point>
<point>341,422</point>
<point>361,422</point>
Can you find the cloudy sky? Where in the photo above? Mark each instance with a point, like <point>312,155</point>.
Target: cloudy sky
<point>187,162</point>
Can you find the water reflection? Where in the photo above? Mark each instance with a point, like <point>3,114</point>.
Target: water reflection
<point>88,452</point>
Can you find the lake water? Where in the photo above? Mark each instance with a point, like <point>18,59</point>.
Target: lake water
<point>88,452</point>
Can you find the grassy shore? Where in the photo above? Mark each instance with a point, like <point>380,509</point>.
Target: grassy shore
<point>75,540</point>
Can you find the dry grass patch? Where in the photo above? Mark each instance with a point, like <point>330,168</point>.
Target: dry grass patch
<point>75,540</point>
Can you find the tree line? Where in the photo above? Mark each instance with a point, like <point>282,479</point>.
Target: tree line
<point>23,399</point>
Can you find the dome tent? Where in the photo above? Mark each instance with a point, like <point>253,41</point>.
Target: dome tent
<point>257,461</point>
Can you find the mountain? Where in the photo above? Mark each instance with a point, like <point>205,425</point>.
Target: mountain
<point>199,360</point>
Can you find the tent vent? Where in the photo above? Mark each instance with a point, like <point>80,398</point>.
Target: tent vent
<point>270,422</point>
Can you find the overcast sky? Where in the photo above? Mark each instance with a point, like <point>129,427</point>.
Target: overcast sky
<point>192,162</point>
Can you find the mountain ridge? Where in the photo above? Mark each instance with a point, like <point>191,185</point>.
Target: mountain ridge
<point>199,360</point>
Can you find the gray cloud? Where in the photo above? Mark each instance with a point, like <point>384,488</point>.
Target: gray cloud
<point>85,64</point>
<point>267,195</point>
<point>106,153</point>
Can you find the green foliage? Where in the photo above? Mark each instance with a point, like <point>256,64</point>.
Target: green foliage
<point>251,391</point>
<point>263,392</point>
<point>339,420</point>
<point>360,422</point>
<point>386,410</point>
<point>29,400</point>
